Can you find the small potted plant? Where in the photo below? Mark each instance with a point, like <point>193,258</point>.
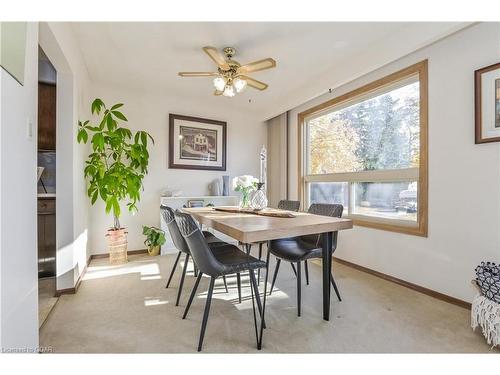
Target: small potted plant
<point>155,237</point>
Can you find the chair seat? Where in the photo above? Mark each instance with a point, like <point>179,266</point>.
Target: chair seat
<point>295,249</point>
<point>212,240</point>
<point>234,260</point>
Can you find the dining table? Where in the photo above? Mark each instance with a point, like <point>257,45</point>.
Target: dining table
<point>266,225</point>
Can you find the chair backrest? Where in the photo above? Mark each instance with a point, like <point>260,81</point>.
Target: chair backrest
<point>288,205</point>
<point>198,246</point>
<point>324,209</point>
<point>173,229</point>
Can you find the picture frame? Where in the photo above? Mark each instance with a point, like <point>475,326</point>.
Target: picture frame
<point>487,104</point>
<point>196,143</point>
<point>195,203</point>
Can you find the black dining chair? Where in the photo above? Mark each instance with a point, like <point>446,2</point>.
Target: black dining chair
<point>228,259</point>
<point>287,205</point>
<point>180,244</point>
<point>300,249</point>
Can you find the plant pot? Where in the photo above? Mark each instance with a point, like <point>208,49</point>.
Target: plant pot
<point>154,250</point>
<point>117,245</point>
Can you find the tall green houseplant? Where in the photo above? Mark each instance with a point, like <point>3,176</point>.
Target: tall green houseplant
<point>118,162</point>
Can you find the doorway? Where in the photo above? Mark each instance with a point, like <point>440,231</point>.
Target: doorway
<point>46,190</point>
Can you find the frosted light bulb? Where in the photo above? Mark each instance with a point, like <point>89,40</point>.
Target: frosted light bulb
<point>219,83</point>
<point>240,84</point>
<point>229,91</point>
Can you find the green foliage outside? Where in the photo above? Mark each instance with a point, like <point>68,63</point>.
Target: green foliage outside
<point>379,133</point>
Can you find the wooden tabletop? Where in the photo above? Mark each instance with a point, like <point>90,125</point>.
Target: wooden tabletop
<point>249,228</point>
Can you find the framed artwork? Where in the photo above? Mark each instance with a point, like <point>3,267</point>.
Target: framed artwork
<point>196,143</point>
<point>487,104</point>
<point>195,203</point>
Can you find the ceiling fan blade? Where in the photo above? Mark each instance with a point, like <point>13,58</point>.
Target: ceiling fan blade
<point>198,74</point>
<point>257,65</point>
<point>254,83</point>
<point>216,57</point>
<point>217,93</point>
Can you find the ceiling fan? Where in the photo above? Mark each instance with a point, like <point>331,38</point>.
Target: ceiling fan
<point>231,77</point>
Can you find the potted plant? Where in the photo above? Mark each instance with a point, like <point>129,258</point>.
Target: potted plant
<point>155,237</point>
<point>115,168</point>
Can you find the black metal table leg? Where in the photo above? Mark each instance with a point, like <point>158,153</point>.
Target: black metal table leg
<point>334,284</point>
<point>259,342</point>
<point>260,257</point>
<point>327,258</point>
<point>253,282</point>
<point>299,284</point>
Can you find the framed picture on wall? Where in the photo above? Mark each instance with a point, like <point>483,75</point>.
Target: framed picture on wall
<point>196,143</point>
<point>487,104</point>
<point>195,203</point>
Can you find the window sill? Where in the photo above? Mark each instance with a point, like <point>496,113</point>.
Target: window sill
<point>406,228</point>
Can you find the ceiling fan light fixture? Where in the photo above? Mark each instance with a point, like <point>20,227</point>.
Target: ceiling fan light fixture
<point>239,84</point>
<point>231,77</point>
<point>229,91</point>
<point>219,83</point>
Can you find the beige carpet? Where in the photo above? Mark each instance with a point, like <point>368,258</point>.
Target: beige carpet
<point>46,299</point>
<point>126,309</point>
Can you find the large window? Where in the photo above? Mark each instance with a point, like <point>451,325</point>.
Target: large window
<point>368,151</point>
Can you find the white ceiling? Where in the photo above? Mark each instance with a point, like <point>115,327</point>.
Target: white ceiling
<point>311,57</point>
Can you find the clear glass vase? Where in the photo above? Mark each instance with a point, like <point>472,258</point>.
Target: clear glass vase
<point>245,199</point>
<point>258,200</point>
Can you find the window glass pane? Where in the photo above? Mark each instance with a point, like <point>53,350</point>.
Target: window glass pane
<point>391,200</point>
<point>381,132</point>
<point>329,192</point>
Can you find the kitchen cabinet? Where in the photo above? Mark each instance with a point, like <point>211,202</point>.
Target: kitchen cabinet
<point>46,116</point>
<point>46,237</point>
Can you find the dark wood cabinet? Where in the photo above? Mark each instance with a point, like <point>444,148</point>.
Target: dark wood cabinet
<point>46,237</point>
<point>46,116</point>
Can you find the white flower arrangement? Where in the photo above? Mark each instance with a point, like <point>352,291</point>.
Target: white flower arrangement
<point>245,184</point>
<point>241,183</point>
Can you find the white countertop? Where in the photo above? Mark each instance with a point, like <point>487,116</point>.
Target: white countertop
<point>46,195</point>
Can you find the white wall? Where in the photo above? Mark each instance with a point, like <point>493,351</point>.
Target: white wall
<point>18,215</point>
<point>245,137</point>
<point>464,178</point>
<point>18,186</point>
<point>58,43</point>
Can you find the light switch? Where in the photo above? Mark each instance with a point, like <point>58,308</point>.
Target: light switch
<point>29,129</point>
